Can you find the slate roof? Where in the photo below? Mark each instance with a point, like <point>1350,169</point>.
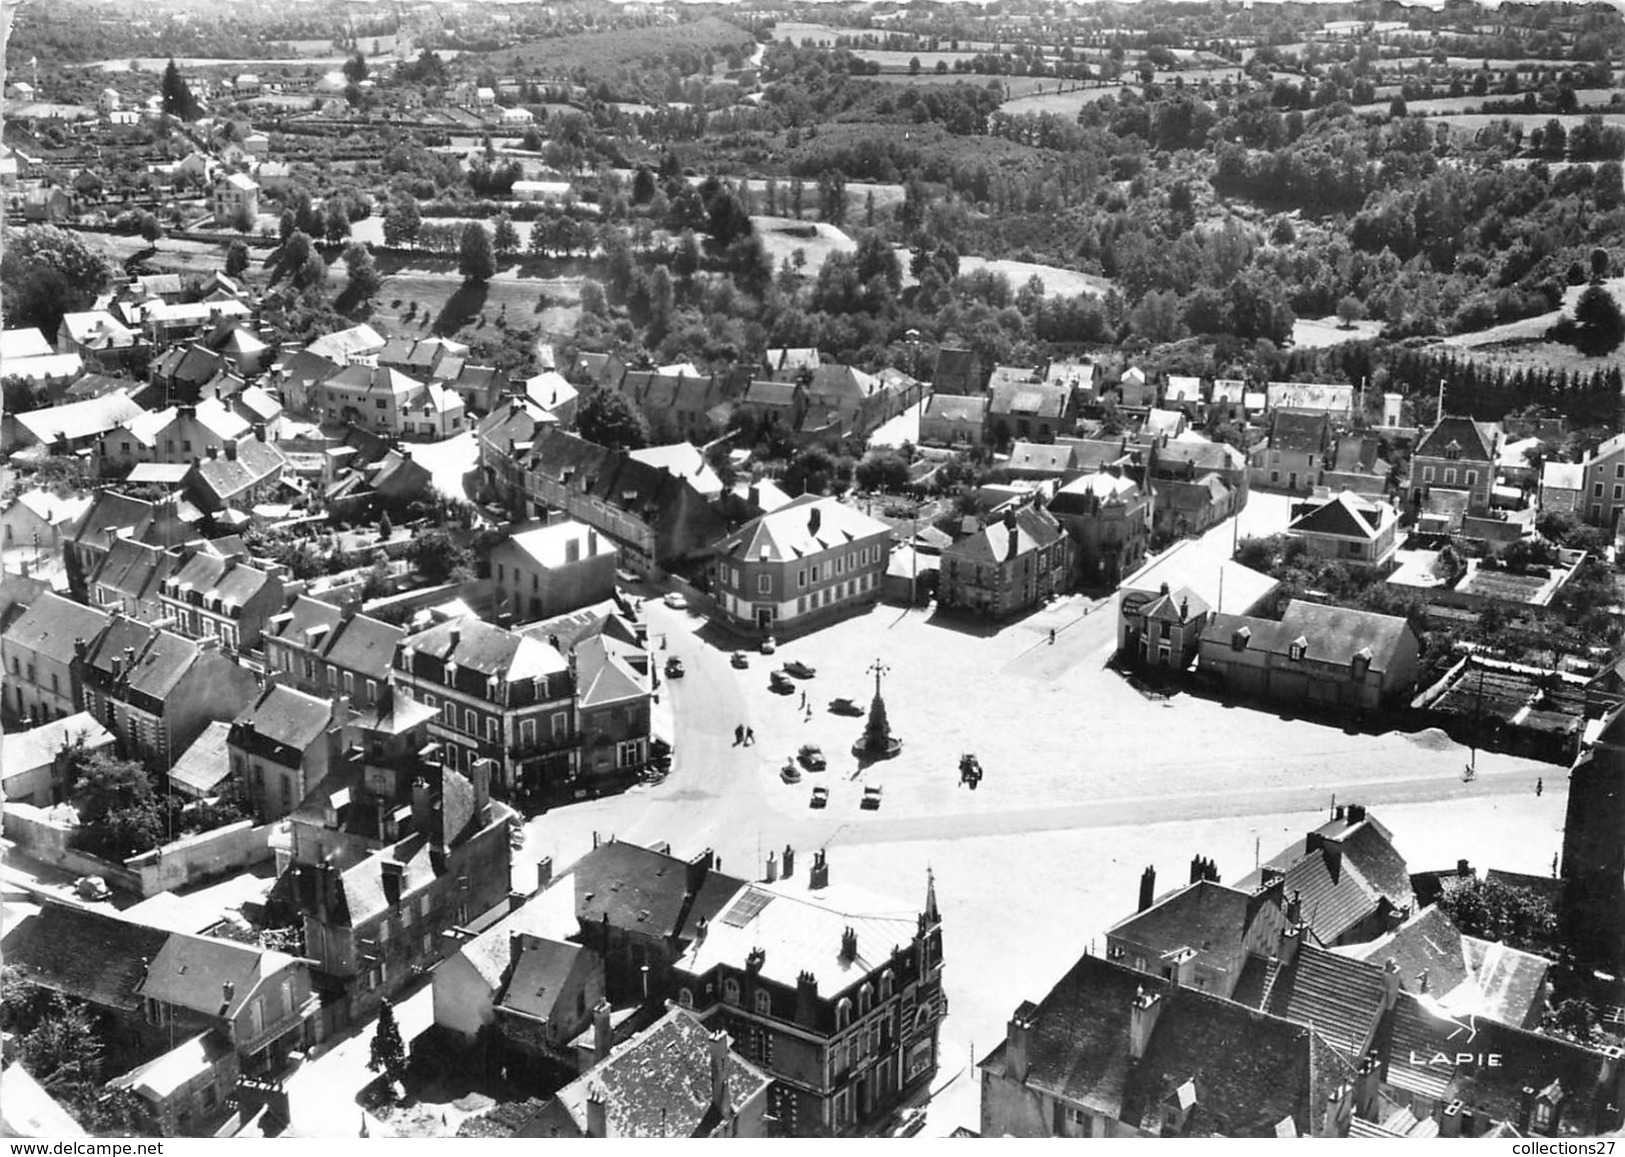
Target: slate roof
<point>304,615</point>
<point>488,649</point>
<point>603,677</point>
<point>1034,530</point>
<point>232,582</point>
<point>1251,1070</point>
<point>337,347</point>
<point>1475,440</point>
<point>1190,564</point>
<point>787,533</point>
<point>1310,396</point>
<point>1159,422</point>
<point>1056,458</point>
<point>1299,433</point>
<point>364,645</point>
<point>762,392</point>
<point>168,1073</point>
<point>50,626</point>
<point>1107,488</point>
<point>1337,891</point>
<point>309,365</point>
<point>955,408</point>
<point>1345,515</point>
<point>376,380</point>
<point>224,478</point>
<point>1340,998</point>
<point>1206,916</point>
<point>85,953</point>
<point>27,1110</point>
<point>540,974</point>
<point>192,971</point>
<point>682,460</point>
<point>286,716</point>
<point>1201,456</point>
<point>642,890</point>
<point>24,343</point>
<point>1035,399</point>
<point>659,1083</point>
<point>1337,634</point>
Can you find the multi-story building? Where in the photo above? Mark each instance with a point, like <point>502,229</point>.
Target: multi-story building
<point>1347,528</point>
<point>1028,410</point>
<point>799,567</point>
<point>158,691</point>
<point>1299,450</point>
<point>1602,484</point>
<point>954,420</point>
<point>325,650</point>
<point>1593,868</point>
<point>1459,454</point>
<point>1162,629</point>
<point>828,989</point>
<point>41,682</point>
<point>210,597</point>
<point>283,744</point>
<point>386,401</point>
<point>1109,520</point>
<point>179,434</point>
<point>234,196</point>
<point>550,570</point>
<point>498,695</point>
<point>1007,567</point>
<point>130,577</point>
<point>385,861</point>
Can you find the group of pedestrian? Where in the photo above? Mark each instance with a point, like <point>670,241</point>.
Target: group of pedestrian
<point>744,736</point>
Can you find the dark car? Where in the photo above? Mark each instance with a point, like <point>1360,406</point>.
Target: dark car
<point>780,682</point>
<point>674,668</point>
<point>844,707</point>
<point>871,797</point>
<point>740,659</point>
<point>812,757</point>
<point>799,669</point>
<point>790,773</point>
<point>820,797</point>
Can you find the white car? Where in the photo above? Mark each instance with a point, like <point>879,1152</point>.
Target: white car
<point>675,601</point>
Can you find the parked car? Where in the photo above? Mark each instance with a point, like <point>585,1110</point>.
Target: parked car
<point>812,757</point>
<point>92,888</point>
<point>740,659</point>
<point>820,797</point>
<point>780,682</point>
<point>675,601</point>
<point>769,646</point>
<point>790,773</point>
<point>844,707</point>
<point>674,668</point>
<point>871,797</point>
<point>799,669</point>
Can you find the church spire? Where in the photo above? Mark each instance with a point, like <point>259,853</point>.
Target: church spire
<point>932,916</point>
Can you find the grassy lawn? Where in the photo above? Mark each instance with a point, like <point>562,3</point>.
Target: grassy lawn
<point>446,307</point>
<point>1067,103</point>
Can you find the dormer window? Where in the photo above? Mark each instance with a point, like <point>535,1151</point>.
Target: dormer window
<point>730,990</point>
<point>866,1000</point>
<point>685,998</point>
<point>1296,649</point>
<point>763,1002</point>
<point>886,983</point>
<point>843,1013</point>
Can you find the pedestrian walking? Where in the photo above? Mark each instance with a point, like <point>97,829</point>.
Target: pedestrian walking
<point>750,736</point>
<point>739,734</point>
<point>1052,636</point>
<point>1540,786</point>
<point>803,700</point>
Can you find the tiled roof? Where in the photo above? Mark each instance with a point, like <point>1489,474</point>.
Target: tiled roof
<point>193,972</point>
<point>50,626</point>
<point>1076,496</point>
<point>1340,998</point>
<point>540,974</point>
<point>638,888</point>
<point>225,477</point>
<point>1345,515</point>
<point>376,380</point>
<point>682,460</point>
<point>659,1083</point>
<point>763,392</point>
<point>1056,458</point>
<point>286,716</point>
<point>956,408</point>
<point>1331,880</point>
<point>1029,398</point>
<point>488,649</point>
<point>1310,396</point>
<point>1337,634</point>
<point>89,418</point>
<point>337,347</point>
<point>84,953</point>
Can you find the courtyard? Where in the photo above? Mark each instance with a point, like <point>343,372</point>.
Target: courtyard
<point>1087,782</point>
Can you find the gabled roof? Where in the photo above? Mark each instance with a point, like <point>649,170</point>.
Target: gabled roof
<point>305,615</point>
<point>807,526</point>
<point>27,1110</point>
<point>1310,396</point>
<point>308,365</point>
<point>24,751</point>
<point>682,460</point>
<point>1035,399</point>
<point>1160,422</point>
<point>376,380</point>
<point>1206,916</point>
<point>1337,634</point>
<point>551,546</point>
<point>86,953</point>
<point>1340,875</point>
<point>1299,433</point>
<point>1345,515</point>
<point>1103,487</point>
<point>50,626</point>
<point>89,418</point>
<point>97,329</point>
<point>638,889</point>
<point>337,347</point>
<point>1251,1070</point>
<point>549,390</point>
<point>133,569</point>
<point>479,646</point>
<point>23,343</point>
<point>286,716</point>
<point>955,408</point>
<point>195,972</point>
<point>233,583</point>
<point>1562,476</point>
<point>204,765</point>
<point>1340,998</point>
<point>1049,458</point>
<point>659,1083</point>
<point>762,392</point>
<point>1032,530</point>
<point>1474,441</point>
<point>541,972</point>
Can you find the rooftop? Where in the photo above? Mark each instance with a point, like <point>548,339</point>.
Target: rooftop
<point>23,751</point>
<point>807,526</point>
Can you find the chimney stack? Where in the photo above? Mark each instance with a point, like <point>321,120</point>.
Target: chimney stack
<point>788,862</point>
<point>818,876</point>
<point>807,999</point>
<point>814,517</point>
<point>719,1076</point>
<point>849,943</point>
<point>1018,1038</point>
<point>1143,1014</point>
<point>697,869</point>
<point>231,449</point>
<point>603,1038</point>
<point>1148,887</point>
<point>772,868</point>
<point>597,1118</point>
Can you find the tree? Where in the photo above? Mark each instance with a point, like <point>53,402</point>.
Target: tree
<point>177,96</point>
<point>1350,309</point>
<point>236,259</point>
<point>355,69</point>
<point>46,272</point>
<point>476,261</point>
<point>882,470</point>
<point>119,813</point>
<point>1494,910</point>
<point>643,185</point>
<point>337,225</point>
<point>436,556</point>
<point>504,237</point>
<point>403,220</point>
<point>361,271</point>
<point>386,528</point>
<point>387,1052</point>
<point>147,225</point>
<point>607,418</point>
<point>914,66</point>
<point>1599,326</point>
<point>243,219</point>
<point>816,471</point>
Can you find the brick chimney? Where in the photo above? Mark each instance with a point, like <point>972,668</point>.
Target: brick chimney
<point>814,518</point>
<point>788,862</point>
<point>818,876</point>
<point>231,449</point>
<point>1148,887</point>
<point>772,868</point>
<point>1450,1119</point>
<point>597,1118</point>
<point>697,869</point>
<point>849,943</point>
<point>807,999</point>
<point>720,1100</point>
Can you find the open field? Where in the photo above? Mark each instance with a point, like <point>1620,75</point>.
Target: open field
<point>1318,333</point>
<point>445,306</point>
<point>1058,282</point>
<point>1060,97</point>
<point>782,236</point>
<point>1522,344</point>
<point>605,53</point>
<point>1598,98</point>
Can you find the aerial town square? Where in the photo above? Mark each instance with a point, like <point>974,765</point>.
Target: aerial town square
<point>818,570</point>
